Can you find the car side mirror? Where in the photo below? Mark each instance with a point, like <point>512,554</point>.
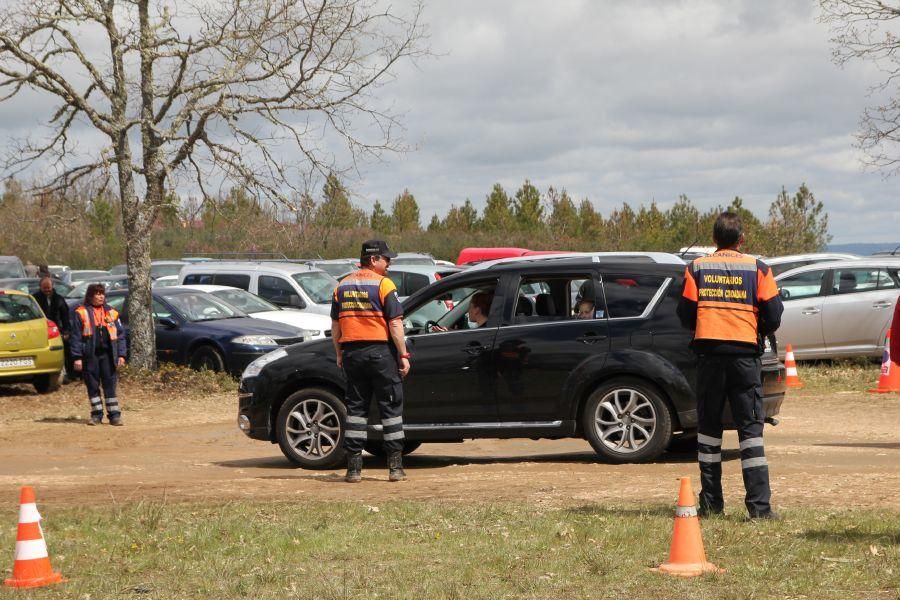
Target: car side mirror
<point>785,294</point>
<point>168,322</point>
<point>296,301</point>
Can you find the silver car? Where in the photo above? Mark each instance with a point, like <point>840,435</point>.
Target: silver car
<point>838,309</point>
<point>782,264</point>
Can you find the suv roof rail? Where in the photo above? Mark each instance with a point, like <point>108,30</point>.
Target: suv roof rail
<point>662,258</point>
<point>235,256</point>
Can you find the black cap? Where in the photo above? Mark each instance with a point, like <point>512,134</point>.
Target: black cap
<point>376,248</point>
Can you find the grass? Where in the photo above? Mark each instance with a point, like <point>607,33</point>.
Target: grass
<point>848,375</point>
<point>417,549</point>
<point>169,377</point>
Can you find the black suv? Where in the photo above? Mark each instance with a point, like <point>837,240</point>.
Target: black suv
<point>619,374</point>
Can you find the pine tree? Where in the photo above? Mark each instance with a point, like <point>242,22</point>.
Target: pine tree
<point>405,213</point>
<point>380,221</point>
<point>563,214</point>
<point>497,213</point>
<point>797,224</point>
<point>527,209</point>
<point>591,226</point>
<point>461,218</point>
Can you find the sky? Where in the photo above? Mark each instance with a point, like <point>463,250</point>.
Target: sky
<point>635,102</point>
<point>618,102</point>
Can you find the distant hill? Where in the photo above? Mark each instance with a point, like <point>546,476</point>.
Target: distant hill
<point>864,249</point>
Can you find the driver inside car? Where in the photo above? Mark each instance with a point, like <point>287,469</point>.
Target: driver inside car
<point>477,313</point>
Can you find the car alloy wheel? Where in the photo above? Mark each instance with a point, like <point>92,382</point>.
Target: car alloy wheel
<point>309,428</point>
<point>627,420</point>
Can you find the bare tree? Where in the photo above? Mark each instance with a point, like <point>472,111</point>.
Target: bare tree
<point>259,94</point>
<point>868,30</point>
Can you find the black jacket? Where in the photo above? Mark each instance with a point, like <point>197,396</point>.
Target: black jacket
<point>55,309</point>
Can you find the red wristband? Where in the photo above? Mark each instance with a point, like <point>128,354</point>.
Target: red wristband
<point>406,356</point>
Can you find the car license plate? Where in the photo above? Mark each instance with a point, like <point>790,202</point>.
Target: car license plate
<point>19,361</point>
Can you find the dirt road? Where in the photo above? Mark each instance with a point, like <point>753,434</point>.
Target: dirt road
<point>838,450</point>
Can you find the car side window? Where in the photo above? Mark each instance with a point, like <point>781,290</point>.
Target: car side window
<point>554,298</point>
<point>117,302</point>
<point>449,310</point>
<point>275,289</point>
<point>198,279</point>
<point>160,311</point>
<point>415,282</point>
<point>801,285</point>
<point>629,295</point>
<point>887,280</point>
<point>851,281</point>
<point>232,280</point>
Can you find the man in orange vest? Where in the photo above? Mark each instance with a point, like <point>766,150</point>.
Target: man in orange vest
<point>731,302</point>
<point>98,348</point>
<point>368,337</point>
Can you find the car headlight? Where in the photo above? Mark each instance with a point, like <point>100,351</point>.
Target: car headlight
<point>254,368</point>
<point>311,334</point>
<point>255,340</point>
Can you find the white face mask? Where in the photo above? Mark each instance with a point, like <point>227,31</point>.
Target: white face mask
<point>472,324</point>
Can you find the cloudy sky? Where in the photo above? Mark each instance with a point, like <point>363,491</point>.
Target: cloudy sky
<point>622,102</point>
<point>635,101</point>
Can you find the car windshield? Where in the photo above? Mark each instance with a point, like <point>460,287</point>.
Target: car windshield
<point>335,269</point>
<point>80,288</point>
<point>412,260</point>
<point>15,309</point>
<point>157,271</point>
<point>318,285</point>
<point>245,301</point>
<point>199,306</point>
<point>10,269</point>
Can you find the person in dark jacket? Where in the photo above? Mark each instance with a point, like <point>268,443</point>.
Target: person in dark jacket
<point>731,302</point>
<point>56,309</point>
<point>98,348</point>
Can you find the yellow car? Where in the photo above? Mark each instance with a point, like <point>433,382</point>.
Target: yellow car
<point>31,348</point>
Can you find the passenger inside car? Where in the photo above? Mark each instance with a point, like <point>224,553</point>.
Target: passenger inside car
<point>476,314</point>
<point>585,310</point>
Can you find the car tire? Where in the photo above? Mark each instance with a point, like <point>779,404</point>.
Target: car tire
<point>45,384</point>
<point>377,448</point>
<point>626,420</point>
<point>310,429</point>
<point>207,357</point>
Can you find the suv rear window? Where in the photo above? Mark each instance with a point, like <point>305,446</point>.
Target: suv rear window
<point>15,309</point>
<point>629,295</point>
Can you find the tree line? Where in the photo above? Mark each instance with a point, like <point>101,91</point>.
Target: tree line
<point>83,228</point>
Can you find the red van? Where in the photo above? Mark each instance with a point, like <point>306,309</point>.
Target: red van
<point>469,256</point>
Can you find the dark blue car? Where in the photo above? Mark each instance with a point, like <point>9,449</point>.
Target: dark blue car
<point>196,329</point>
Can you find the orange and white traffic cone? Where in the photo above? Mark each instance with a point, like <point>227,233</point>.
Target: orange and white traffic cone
<point>791,379</point>
<point>687,558</point>
<point>32,566</point>
<point>889,381</point>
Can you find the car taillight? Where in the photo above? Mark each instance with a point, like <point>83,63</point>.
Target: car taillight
<point>52,330</point>
<point>437,276</point>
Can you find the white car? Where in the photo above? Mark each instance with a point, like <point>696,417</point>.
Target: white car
<point>258,308</point>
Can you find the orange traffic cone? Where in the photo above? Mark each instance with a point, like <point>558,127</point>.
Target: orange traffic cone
<point>32,566</point>
<point>889,381</point>
<point>792,379</point>
<point>687,557</point>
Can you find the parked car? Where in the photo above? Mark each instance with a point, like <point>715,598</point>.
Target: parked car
<point>165,281</point>
<point>200,331</point>
<point>838,309</point>
<point>165,268</point>
<point>336,267</point>
<point>412,258</point>
<point>313,325</point>
<point>74,276</point>
<point>625,380</point>
<point>32,285</point>
<point>410,278</point>
<point>119,269</point>
<point>31,350</point>
<point>781,264</point>
<point>112,283</point>
<point>289,285</point>
<point>58,271</point>
<point>11,267</point>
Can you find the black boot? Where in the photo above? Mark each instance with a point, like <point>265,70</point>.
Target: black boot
<point>395,467</point>
<point>354,468</point>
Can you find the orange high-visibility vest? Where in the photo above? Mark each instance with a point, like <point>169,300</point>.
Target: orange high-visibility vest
<point>109,321</point>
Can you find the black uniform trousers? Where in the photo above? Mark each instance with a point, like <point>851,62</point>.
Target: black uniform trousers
<point>736,379</point>
<point>99,371</point>
<point>372,374</point>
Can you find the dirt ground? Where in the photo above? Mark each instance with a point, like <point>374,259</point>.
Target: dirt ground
<point>838,450</point>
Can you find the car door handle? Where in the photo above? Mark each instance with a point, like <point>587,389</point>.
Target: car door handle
<point>882,304</point>
<point>810,311</point>
<point>590,338</point>
<point>475,349</point>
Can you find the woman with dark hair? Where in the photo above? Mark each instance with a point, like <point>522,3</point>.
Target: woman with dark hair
<point>98,348</point>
